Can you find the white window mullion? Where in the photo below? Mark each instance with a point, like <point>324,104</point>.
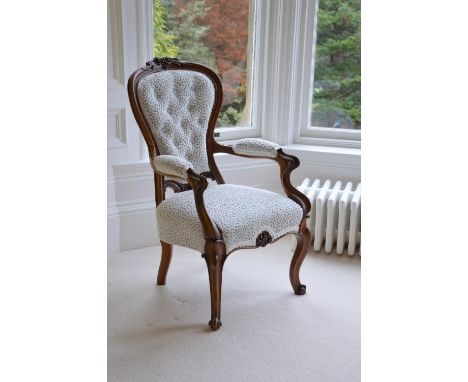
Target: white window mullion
<point>270,68</point>
<point>278,71</point>
<point>256,43</point>
<point>287,73</point>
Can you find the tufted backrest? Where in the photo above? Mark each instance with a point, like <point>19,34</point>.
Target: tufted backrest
<point>177,105</point>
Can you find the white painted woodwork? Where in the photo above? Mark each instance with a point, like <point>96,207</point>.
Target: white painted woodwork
<point>128,46</point>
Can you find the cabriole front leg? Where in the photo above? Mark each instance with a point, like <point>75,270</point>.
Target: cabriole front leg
<point>303,245</point>
<point>215,256</point>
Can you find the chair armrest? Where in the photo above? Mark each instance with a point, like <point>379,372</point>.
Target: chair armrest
<point>256,147</point>
<point>172,166</point>
<point>287,163</point>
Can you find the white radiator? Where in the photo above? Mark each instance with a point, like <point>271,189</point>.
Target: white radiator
<point>335,216</point>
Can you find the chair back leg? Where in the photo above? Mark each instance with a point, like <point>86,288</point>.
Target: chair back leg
<point>166,256</point>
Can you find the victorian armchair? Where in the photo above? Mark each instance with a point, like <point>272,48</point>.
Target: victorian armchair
<point>176,105</point>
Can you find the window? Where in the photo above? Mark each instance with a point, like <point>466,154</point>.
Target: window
<point>336,98</point>
<point>218,34</point>
<point>290,70</point>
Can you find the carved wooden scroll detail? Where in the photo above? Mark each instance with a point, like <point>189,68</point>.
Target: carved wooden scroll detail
<point>208,174</point>
<point>263,239</point>
<point>181,187</point>
<point>163,62</point>
<point>176,186</point>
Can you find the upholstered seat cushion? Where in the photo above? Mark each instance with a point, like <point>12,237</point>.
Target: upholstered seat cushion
<point>240,213</point>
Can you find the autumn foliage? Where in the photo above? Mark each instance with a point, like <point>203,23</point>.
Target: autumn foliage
<point>214,33</point>
<point>228,37</point>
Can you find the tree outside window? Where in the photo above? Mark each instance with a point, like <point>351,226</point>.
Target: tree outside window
<point>336,101</point>
<point>213,33</point>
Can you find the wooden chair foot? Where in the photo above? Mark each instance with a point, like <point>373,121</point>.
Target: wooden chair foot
<point>300,290</point>
<point>166,256</point>
<point>215,324</point>
<point>303,245</point>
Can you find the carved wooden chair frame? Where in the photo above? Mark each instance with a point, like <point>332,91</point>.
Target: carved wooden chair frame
<point>215,251</point>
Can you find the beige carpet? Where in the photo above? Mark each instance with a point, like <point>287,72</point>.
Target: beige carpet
<point>160,333</point>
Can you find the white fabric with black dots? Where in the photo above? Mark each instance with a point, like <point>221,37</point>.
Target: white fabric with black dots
<point>241,213</point>
<point>171,165</point>
<point>177,105</point>
<point>256,147</point>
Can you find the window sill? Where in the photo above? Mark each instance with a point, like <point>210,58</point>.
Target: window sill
<point>324,156</point>
<point>328,156</point>
<point>324,149</point>
<point>235,133</point>
<point>329,142</point>
<point>297,147</point>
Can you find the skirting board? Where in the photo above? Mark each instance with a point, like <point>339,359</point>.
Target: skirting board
<point>131,218</point>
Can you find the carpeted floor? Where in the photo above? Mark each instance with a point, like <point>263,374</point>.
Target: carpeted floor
<point>160,333</point>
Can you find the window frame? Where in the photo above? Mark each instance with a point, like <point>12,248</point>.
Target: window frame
<point>253,130</point>
<point>282,77</point>
<point>308,134</point>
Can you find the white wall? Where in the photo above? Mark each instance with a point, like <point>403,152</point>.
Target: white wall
<point>131,206</point>
<point>129,39</point>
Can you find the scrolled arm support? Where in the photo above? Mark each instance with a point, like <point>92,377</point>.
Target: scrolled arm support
<point>287,164</point>
<point>199,185</point>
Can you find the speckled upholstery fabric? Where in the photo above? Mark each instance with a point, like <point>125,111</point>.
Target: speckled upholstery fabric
<point>240,213</point>
<point>256,147</point>
<point>171,165</point>
<point>177,104</point>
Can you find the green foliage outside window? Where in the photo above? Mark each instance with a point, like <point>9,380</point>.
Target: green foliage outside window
<point>189,33</point>
<point>180,30</point>
<point>164,42</point>
<point>337,78</point>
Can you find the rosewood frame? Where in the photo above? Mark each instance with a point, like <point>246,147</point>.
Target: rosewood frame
<point>215,251</point>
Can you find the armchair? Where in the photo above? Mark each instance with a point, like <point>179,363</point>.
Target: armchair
<point>176,105</point>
